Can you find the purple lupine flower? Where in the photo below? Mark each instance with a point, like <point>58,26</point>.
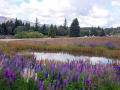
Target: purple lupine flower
<point>52,73</point>
<point>6,58</point>
<point>91,45</point>
<point>10,79</point>
<point>28,65</point>
<point>58,75</point>
<point>52,67</point>
<point>83,88</point>
<point>111,45</point>
<point>33,58</point>
<point>1,53</point>
<point>98,74</point>
<point>118,72</point>
<point>86,79</point>
<point>58,83</point>
<point>46,75</point>
<point>105,72</point>
<point>41,86</point>
<point>10,74</point>
<point>76,43</point>
<point>117,69</point>
<point>39,67</point>
<point>74,77</point>
<point>66,81</point>
<point>53,87</point>
<point>64,72</point>
<point>50,85</point>
<point>14,75</point>
<point>90,83</point>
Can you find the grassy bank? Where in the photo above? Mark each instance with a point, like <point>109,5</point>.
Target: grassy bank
<point>13,48</point>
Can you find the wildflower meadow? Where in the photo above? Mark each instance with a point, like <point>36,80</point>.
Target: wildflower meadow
<point>18,73</point>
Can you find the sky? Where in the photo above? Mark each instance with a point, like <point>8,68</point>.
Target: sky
<point>104,13</point>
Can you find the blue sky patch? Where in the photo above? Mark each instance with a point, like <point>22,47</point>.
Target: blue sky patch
<point>27,1</point>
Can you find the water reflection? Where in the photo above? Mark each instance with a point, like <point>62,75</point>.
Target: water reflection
<point>70,57</point>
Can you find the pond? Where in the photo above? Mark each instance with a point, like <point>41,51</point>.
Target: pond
<point>65,57</point>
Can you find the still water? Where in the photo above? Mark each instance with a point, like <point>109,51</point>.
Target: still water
<point>65,57</point>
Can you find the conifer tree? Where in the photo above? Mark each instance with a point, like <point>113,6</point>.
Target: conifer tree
<point>36,25</point>
<point>75,29</point>
<point>52,32</point>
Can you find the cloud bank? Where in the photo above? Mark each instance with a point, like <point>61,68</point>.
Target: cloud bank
<point>104,13</point>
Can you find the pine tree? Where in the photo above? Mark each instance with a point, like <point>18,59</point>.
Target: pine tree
<point>65,24</point>
<point>4,28</point>
<point>75,29</point>
<point>55,27</point>
<point>44,29</point>
<point>12,27</point>
<point>27,26</point>
<point>15,26</point>
<point>94,31</point>
<point>16,22</point>
<point>52,32</point>
<point>36,25</point>
<point>102,33</point>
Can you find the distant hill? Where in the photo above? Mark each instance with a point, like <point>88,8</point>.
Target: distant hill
<point>5,19</point>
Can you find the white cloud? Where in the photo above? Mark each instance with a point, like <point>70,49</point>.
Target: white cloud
<point>116,3</point>
<point>89,12</point>
<point>99,12</point>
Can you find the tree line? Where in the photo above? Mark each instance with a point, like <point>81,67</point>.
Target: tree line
<point>16,27</point>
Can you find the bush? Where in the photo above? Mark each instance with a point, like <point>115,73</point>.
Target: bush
<point>2,37</point>
<point>29,35</point>
<point>19,29</point>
